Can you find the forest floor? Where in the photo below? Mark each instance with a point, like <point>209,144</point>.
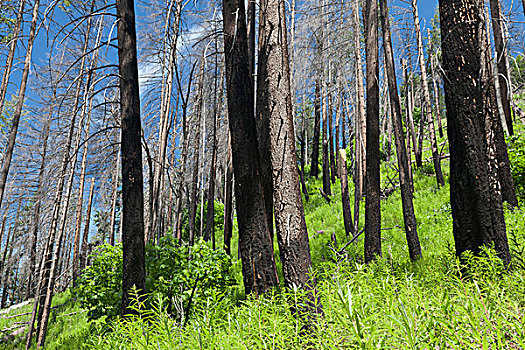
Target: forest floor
<point>434,303</point>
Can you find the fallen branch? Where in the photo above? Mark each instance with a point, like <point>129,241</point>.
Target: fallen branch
<point>325,196</point>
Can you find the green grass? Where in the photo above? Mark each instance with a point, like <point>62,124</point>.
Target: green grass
<point>434,303</point>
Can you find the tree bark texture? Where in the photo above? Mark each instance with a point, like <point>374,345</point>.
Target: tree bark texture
<point>133,271</point>
<point>258,263</point>
<point>274,102</point>
<point>414,248</point>
<point>372,200</point>
<point>477,210</point>
<point>314,166</point>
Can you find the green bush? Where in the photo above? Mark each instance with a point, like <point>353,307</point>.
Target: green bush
<point>99,289</point>
<point>175,273</point>
<point>178,272</point>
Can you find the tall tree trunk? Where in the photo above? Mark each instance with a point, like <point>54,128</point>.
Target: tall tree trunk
<point>477,210</point>
<point>258,263</point>
<point>274,103</point>
<point>11,54</point>
<point>8,155</point>
<point>314,166</point>
<point>210,211</point>
<point>133,271</point>
<point>195,178</point>
<point>333,168</point>
<point>155,217</point>
<point>414,248</point>
<point>373,191</point>
<point>501,60</point>
<point>426,95</point>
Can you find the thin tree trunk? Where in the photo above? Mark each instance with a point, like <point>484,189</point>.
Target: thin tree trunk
<point>114,199</point>
<point>345,200</point>
<point>437,106</point>
<point>8,155</point>
<point>314,166</point>
<point>414,248</point>
<point>228,200</point>
<point>195,177</point>
<point>11,54</point>
<point>333,171</point>
<point>372,202</point>
<point>501,60</point>
<point>503,164</point>
<point>36,211</point>
<point>84,249</point>
<point>255,242</point>
<point>133,272</point>
<point>426,94</point>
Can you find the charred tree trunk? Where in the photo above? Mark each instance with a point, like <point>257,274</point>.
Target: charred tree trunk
<point>414,248</point>
<point>258,263</point>
<point>133,271</point>
<point>373,191</point>
<point>477,209</point>
<point>274,103</point>
<point>345,200</point>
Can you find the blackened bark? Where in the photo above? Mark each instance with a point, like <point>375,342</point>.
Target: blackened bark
<point>258,263</point>
<point>274,101</point>
<point>345,200</point>
<point>372,200</point>
<point>314,166</point>
<point>476,207</point>
<point>133,272</point>
<point>414,248</point>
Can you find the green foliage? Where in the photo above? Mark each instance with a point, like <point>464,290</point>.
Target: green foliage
<point>516,152</point>
<point>99,288</point>
<point>174,273</point>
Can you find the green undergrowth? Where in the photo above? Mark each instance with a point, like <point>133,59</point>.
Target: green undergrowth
<point>434,303</point>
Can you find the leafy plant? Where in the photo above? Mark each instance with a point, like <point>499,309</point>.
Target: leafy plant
<point>99,288</point>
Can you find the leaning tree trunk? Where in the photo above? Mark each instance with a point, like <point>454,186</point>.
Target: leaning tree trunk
<point>255,243</point>
<point>414,248</point>
<point>8,155</point>
<point>477,210</point>
<point>84,248</point>
<point>133,271</point>
<point>372,200</point>
<point>11,54</point>
<point>274,102</point>
<point>426,95</point>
